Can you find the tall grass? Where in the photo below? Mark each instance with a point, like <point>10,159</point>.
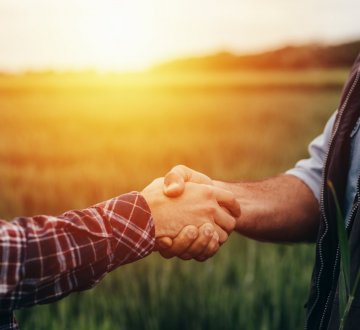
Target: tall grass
<point>68,142</point>
<point>346,290</point>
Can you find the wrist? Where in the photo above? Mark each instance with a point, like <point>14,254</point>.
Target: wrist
<point>152,201</point>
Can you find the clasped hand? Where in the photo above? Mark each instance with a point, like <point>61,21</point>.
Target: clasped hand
<point>192,216</point>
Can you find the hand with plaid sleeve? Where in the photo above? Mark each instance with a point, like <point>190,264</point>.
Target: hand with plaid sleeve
<point>45,258</point>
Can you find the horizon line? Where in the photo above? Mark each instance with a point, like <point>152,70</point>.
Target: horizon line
<point>97,70</point>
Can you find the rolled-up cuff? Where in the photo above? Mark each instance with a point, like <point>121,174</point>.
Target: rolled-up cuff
<point>312,182</point>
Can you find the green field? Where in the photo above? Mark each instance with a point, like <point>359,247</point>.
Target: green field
<point>68,141</point>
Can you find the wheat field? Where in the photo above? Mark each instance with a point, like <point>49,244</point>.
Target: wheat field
<point>70,140</point>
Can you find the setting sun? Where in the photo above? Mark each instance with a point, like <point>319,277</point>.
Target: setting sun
<point>119,34</point>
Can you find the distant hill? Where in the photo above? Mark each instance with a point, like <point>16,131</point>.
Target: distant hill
<point>289,57</point>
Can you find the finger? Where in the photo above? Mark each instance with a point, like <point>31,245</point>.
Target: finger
<point>223,219</point>
<point>206,233</point>
<point>181,242</point>
<point>223,235</point>
<point>210,250</point>
<point>227,199</point>
<point>174,184</point>
<point>178,175</point>
<point>164,242</point>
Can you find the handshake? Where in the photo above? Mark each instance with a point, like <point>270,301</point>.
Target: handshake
<point>192,216</point>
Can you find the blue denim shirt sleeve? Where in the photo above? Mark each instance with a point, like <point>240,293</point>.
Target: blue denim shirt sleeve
<point>310,170</point>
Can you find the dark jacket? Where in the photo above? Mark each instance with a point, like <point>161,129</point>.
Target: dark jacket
<point>323,303</point>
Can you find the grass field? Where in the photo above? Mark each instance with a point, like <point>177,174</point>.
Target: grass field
<point>68,141</point>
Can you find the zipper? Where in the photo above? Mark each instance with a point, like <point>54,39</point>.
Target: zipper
<point>352,213</point>
<point>333,279</point>
<point>322,210</point>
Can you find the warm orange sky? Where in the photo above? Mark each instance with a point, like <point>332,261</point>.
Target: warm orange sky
<point>132,34</point>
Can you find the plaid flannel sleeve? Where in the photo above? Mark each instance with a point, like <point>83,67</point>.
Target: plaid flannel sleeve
<point>44,258</point>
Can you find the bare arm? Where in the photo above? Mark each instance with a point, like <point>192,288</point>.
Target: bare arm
<point>278,209</point>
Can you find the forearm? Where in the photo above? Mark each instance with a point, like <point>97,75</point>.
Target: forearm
<point>45,258</point>
<point>278,209</point>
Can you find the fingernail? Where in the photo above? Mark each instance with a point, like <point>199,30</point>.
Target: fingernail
<point>208,231</point>
<point>191,233</point>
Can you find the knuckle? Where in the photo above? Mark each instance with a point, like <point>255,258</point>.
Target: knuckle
<point>191,233</point>
<point>232,200</point>
<point>211,209</point>
<point>208,192</point>
<point>180,167</point>
<point>170,177</point>
<point>208,230</point>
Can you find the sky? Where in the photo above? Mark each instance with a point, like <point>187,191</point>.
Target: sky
<point>133,34</point>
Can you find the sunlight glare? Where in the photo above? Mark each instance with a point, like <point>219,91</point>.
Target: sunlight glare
<point>121,37</point>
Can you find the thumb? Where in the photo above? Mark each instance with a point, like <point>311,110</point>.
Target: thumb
<point>174,184</point>
<point>164,242</point>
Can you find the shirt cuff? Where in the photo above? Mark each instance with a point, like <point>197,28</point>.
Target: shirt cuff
<point>132,227</point>
<point>312,182</point>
